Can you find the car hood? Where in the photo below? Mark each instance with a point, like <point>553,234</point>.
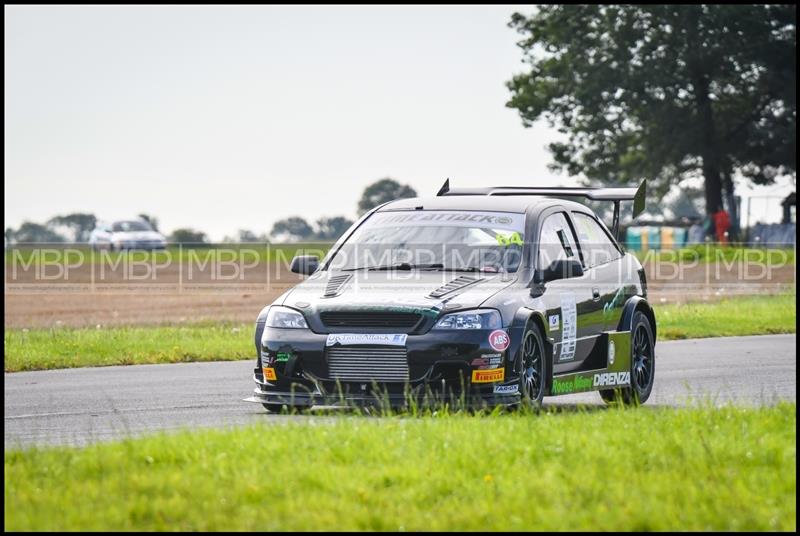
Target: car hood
<point>138,235</point>
<point>419,291</point>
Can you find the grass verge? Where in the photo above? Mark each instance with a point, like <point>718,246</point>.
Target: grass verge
<point>751,315</point>
<point>40,349</point>
<point>619,469</point>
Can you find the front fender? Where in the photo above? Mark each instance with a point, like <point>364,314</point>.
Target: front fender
<point>517,328</point>
<point>637,303</point>
<point>262,318</point>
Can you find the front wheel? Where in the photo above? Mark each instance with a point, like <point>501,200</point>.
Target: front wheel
<point>643,365</point>
<point>533,377</point>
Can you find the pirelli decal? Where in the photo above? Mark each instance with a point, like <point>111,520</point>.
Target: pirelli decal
<point>488,376</point>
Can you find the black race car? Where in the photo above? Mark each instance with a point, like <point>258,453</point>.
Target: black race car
<point>492,296</point>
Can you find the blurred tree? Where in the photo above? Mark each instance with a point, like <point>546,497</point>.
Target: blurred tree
<point>291,229</point>
<point>663,92</point>
<point>687,204</point>
<point>30,232</point>
<point>187,237</point>
<point>245,235</point>
<point>153,221</point>
<point>79,224</point>
<point>332,228</point>
<point>382,191</point>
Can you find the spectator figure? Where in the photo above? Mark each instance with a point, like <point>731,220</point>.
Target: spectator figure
<point>722,222</point>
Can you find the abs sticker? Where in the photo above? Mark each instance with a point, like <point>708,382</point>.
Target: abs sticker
<point>554,322</point>
<point>269,374</point>
<point>569,329</point>
<point>498,339</point>
<point>488,376</point>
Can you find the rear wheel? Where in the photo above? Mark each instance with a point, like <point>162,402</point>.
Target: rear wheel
<point>534,367</point>
<point>643,365</point>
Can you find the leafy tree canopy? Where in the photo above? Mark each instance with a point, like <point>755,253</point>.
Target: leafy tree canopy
<point>381,191</point>
<point>663,92</point>
<point>292,229</point>
<point>79,224</point>
<point>153,221</point>
<point>30,232</point>
<point>187,236</point>
<point>332,228</point>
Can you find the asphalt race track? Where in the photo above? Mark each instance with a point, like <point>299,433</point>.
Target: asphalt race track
<point>79,406</point>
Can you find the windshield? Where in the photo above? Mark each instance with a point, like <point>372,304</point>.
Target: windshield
<point>435,240</point>
<point>125,226</point>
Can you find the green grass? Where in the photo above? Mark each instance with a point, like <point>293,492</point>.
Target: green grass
<point>752,315</point>
<point>643,469</point>
<point>39,349</point>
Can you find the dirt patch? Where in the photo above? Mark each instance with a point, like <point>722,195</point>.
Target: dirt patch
<point>671,283</point>
<point>90,295</point>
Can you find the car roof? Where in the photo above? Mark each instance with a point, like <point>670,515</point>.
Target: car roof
<point>498,203</point>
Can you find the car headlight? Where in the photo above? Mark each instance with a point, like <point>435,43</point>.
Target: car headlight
<point>475,319</point>
<point>283,317</point>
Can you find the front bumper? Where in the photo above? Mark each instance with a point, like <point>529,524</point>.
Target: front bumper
<point>379,399</point>
<point>441,369</point>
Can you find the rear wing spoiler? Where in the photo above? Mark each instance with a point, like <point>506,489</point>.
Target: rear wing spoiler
<point>617,195</point>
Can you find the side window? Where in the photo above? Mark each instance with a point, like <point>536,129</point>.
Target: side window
<point>597,246</point>
<point>556,241</point>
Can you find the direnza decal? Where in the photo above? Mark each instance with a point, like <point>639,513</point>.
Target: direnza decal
<point>612,378</point>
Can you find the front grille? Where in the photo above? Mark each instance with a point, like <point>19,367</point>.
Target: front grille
<point>368,363</point>
<point>340,319</point>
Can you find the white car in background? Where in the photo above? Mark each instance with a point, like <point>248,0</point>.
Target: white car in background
<point>126,234</point>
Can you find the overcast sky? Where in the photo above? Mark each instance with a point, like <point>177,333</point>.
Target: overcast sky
<point>222,118</point>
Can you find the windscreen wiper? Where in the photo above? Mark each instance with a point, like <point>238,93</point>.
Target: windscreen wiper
<point>398,266</point>
<point>481,269</point>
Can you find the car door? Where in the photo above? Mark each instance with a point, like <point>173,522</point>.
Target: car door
<point>602,257</point>
<point>571,310</point>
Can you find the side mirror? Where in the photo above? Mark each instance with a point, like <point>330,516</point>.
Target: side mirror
<point>562,269</point>
<point>305,264</point>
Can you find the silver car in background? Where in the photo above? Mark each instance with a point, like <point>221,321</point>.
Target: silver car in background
<point>126,234</point>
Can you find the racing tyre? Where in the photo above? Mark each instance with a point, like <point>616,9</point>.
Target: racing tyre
<point>278,408</point>
<point>643,365</point>
<point>534,367</point>
<point>273,408</point>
